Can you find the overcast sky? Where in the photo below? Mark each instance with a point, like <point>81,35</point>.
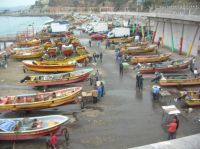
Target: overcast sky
<point>14,3</point>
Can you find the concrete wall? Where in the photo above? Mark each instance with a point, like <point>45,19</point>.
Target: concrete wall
<point>188,35</point>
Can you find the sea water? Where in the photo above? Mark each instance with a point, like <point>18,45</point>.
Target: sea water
<point>14,25</point>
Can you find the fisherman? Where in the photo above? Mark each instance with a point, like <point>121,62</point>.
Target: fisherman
<point>101,56</point>
<point>140,82</point>
<point>121,69</point>
<point>155,92</point>
<point>195,73</point>
<point>91,80</point>
<point>172,127</point>
<point>137,80</point>
<point>90,43</point>
<point>103,91</point>
<point>34,123</point>
<point>53,141</point>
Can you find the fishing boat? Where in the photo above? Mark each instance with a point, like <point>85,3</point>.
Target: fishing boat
<point>135,44</point>
<point>30,128</point>
<point>32,65</point>
<point>168,66</point>
<point>79,59</point>
<point>25,48</point>
<point>28,54</point>
<point>179,80</point>
<point>28,43</point>
<point>138,50</point>
<point>150,58</point>
<point>121,40</point>
<point>191,98</point>
<point>37,101</point>
<point>57,79</point>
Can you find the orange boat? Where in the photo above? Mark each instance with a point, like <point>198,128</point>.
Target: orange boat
<point>150,58</point>
<point>121,40</point>
<point>42,67</point>
<point>138,50</point>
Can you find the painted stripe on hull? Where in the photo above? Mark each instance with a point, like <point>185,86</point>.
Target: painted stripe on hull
<point>60,82</point>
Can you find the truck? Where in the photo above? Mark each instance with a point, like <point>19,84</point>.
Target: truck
<point>100,27</point>
<point>119,32</point>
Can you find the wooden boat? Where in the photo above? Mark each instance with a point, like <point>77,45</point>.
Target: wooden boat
<point>138,50</point>
<point>178,81</point>
<point>169,66</point>
<point>37,101</point>
<point>79,59</point>
<point>48,67</point>
<point>191,98</point>
<point>28,54</point>
<point>28,43</point>
<point>135,44</point>
<point>22,128</point>
<point>120,40</point>
<point>25,48</point>
<point>57,79</point>
<point>150,58</point>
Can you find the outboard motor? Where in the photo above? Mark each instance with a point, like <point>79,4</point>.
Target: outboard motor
<point>25,78</point>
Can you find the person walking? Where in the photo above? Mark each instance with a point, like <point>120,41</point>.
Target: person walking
<point>195,73</point>
<point>172,127</point>
<point>90,43</point>
<point>141,79</point>
<point>53,141</point>
<point>177,122</point>
<point>102,88</point>
<point>97,75</point>
<point>155,92</point>
<point>137,80</point>
<point>121,67</point>
<point>101,56</point>
<point>91,80</point>
<point>94,57</point>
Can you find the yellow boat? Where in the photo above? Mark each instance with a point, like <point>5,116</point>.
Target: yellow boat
<point>191,98</point>
<point>36,101</point>
<point>150,58</point>
<point>120,40</point>
<point>178,81</point>
<point>25,54</point>
<point>138,50</point>
<point>79,59</point>
<point>135,44</point>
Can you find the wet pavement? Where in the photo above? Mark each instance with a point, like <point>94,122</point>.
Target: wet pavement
<point>125,117</point>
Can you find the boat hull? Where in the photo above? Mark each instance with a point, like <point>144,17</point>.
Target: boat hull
<point>164,69</point>
<point>28,135</point>
<point>179,82</point>
<point>44,104</point>
<point>120,40</point>
<point>57,82</point>
<point>149,59</point>
<point>49,68</point>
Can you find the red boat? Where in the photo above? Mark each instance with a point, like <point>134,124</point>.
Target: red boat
<point>57,79</point>
<point>30,128</point>
<point>170,66</point>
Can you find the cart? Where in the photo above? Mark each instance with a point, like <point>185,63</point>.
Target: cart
<point>168,113</point>
<point>89,96</point>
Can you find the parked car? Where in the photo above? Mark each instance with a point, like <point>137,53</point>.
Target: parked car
<point>98,36</point>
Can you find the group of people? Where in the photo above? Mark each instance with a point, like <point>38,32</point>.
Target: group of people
<point>139,81</point>
<point>96,56</point>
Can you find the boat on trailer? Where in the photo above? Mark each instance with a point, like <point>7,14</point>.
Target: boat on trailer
<point>30,127</point>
